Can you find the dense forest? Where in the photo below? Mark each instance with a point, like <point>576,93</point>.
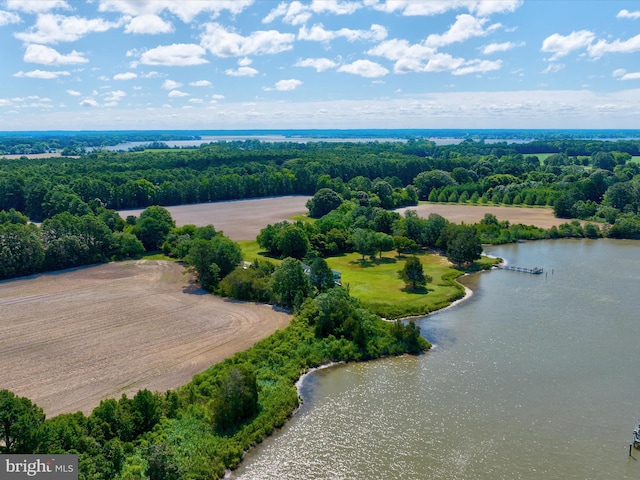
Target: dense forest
<point>74,198</point>
<point>62,212</point>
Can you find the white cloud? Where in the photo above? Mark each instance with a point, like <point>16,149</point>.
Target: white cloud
<point>396,49</point>
<point>561,45</point>
<point>364,68</point>
<point>201,83</point>
<point>74,93</point>
<point>148,24</point>
<point>177,94</point>
<point>439,62</point>
<point>465,27</point>
<point>171,85</point>
<point>196,101</point>
<point>287,85</point>
<point>241,72</point>
<point>319,34</point>
<point>617,46</point>
<point>296,13</point>
<point>224,43</point>
<point>185,10</point>
<point>436,7</point>
<point>125,76</point>
<point>51,28</point>
<point>489,7</point>
<point>500,47</point>
<point>176,55</point>
<point>335,6</point>
<point>7,18</point>
<point>554,67</point>
<point>245,62</point>
<point>622,74</point>
<point>42,74</point>
<point>36,6</point>
<point>320,64</point>
<point>628,14</point>
<point>112,98</point>
<point>89,102</point>
<point>478,66</point>
<point>48,56</point>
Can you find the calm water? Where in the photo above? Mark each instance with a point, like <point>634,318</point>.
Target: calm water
<point>532,377</point>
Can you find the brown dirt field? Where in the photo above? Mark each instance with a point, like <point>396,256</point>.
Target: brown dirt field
<point>540,217</point>
<point>70,339</point>
<point>238,219</point>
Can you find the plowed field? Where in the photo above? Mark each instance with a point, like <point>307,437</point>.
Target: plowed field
<point>70,339</point>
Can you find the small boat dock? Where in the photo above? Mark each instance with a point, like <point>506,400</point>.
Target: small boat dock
<point>534,270</point>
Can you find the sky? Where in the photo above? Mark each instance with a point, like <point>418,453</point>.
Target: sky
<point>316,64</point>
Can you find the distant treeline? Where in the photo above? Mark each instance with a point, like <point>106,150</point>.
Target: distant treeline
<point>573,176</point>
<point>74,142</point>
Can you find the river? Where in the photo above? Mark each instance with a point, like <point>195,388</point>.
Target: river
<point>531,377</point>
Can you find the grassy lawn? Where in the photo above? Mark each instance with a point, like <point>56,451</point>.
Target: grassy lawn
<point>251,250</point>
<point>158,256</point>
<point>377,286</point>
<point>541,156</point>
<point>303,218</point>
<point>376,283</point>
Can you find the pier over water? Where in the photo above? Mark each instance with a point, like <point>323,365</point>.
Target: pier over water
<point>534,270</point>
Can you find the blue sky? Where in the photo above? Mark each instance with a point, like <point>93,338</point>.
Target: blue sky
<point>261,64</point>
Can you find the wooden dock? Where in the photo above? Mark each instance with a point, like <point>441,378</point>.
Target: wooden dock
<point>534,270</point>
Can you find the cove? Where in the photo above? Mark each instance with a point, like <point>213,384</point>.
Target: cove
<point>532,377</point>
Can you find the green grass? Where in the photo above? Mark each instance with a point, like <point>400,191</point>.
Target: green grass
<point>377,286</point>
<point>635,159</point>
<point>541,156</point>
<point>303,218</point>
<point>251,250</point>
<point>158,256</point>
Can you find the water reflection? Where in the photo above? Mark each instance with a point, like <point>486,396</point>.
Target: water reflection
<point>534,377</point>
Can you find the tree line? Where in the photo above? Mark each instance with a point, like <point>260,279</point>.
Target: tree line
<point>589,180</point>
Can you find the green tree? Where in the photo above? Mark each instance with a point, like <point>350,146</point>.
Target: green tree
<point>412,273</point>
<point>321,276</point>
<point>382,242</point>
<point>201,260</point>
<point>404,244</point>
<point>21,250</point>
<point>463,244</point>
<point>427,181</point>
<point>153,226</point>
<point>227,254</point>
<point>289,283</point>
<point>125,245</point>
<point>293,242</point>
<point>364,242</point>
<point>324,201</point>
<point>236,399</point>
<point>20,424</point>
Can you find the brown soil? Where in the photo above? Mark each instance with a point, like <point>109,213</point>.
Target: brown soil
<point>540,217</point>
<point>238,219</point>
<point>70,339</point>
